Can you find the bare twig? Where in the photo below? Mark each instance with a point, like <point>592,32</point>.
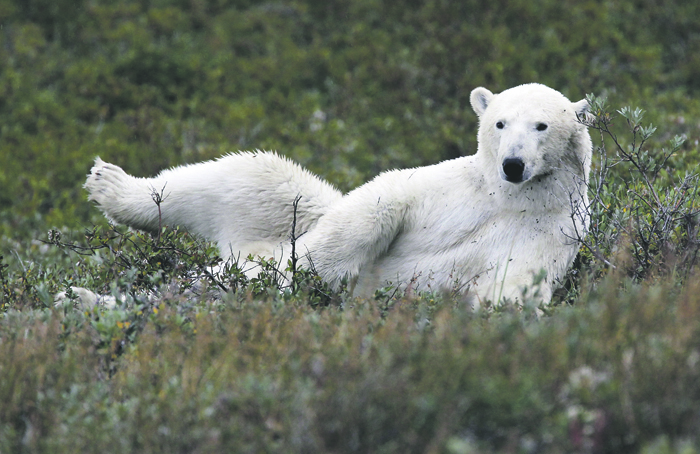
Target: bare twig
<point>158,198</point>
<point>293,241</point>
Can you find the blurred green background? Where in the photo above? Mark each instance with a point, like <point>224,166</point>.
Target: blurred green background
<point>347,88</point>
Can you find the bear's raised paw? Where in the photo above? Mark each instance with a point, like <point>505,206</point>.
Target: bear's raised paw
<point>106,183</point>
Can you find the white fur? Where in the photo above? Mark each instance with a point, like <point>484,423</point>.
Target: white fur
<point>456,224</point>
<point>86,299</point>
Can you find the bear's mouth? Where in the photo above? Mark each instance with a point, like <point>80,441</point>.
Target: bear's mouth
<point>514,170</point>
<point>541,176</point>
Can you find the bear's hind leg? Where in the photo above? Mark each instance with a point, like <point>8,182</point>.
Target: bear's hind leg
<point>121,197</point>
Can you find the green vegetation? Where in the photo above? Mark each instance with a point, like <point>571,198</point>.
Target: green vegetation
<point>348,89</point>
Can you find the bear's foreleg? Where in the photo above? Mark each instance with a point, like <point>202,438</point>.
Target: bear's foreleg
<point>353,234</point>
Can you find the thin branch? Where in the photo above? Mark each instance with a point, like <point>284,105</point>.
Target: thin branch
<point>158,198</point>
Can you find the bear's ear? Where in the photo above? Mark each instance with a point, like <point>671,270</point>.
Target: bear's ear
<point>581,108</point>
<point>480,99</point>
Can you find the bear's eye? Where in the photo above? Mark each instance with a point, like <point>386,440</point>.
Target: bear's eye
<point>541,126</point>
<point>500,125</point>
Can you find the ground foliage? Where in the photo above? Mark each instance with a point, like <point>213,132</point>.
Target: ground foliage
<point>196,358</point>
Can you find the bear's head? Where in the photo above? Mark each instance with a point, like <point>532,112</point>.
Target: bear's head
<point>532,131</point>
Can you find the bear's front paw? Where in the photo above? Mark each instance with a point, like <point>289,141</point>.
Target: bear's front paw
<point>106,182</point>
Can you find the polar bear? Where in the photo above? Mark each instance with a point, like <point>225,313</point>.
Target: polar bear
<point>484,224</point>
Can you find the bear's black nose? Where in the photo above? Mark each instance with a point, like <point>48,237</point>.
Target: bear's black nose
<point>513,168</point>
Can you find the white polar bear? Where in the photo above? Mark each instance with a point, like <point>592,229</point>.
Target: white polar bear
<point>486,223</point>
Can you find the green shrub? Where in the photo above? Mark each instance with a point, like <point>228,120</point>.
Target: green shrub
<point>644,201</point>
